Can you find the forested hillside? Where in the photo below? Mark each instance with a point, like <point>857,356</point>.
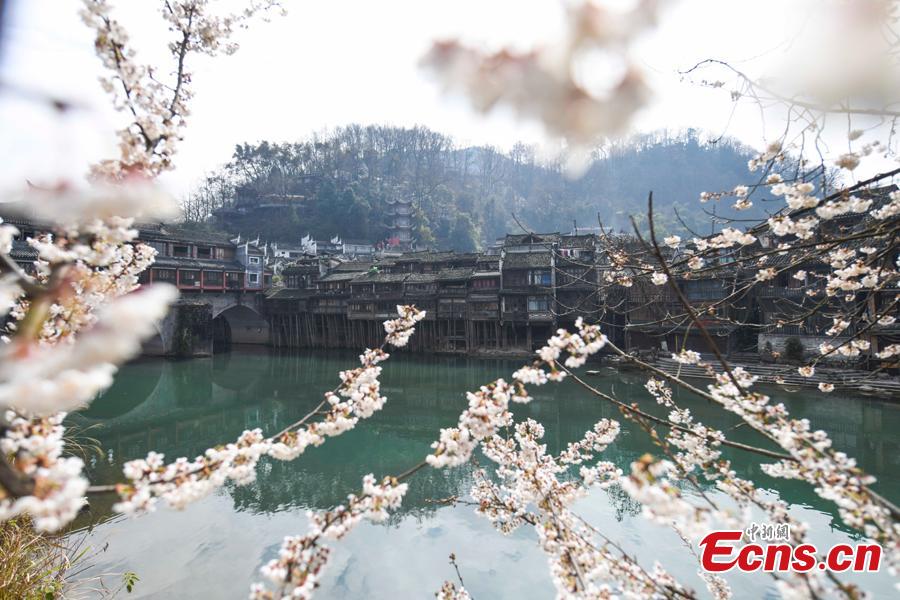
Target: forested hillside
<point>464,197</point>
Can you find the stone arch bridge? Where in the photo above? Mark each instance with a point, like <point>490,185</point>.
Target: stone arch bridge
<point>201,324</point>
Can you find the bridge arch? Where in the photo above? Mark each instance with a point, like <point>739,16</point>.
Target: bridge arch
<point>156,345</point>
<point>238,324</point>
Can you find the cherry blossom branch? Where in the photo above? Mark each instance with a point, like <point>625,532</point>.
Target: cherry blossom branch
<point>632,409</point>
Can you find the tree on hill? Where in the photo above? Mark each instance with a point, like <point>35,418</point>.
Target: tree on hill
<point>339,184</point>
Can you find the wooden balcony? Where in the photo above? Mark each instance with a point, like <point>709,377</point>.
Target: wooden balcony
<point>412,294</point>
<point>514,314</point>
<point>364,296</point>
<point>335,292</point>
<point>459,292</point>
<point>797,294</point>
<point>524,288</point>
<point>540,316</point>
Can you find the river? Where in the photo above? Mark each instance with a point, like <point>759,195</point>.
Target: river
<point>214,548</point>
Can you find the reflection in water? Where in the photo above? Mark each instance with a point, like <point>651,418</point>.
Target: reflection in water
<point>181,408</point>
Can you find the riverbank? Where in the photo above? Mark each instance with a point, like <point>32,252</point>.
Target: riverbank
<point>33,565</point>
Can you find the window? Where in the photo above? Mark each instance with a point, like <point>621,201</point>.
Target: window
<point>254,260</point>
<point>164,275</point>
<point>160,247</point>
<point>254,278</point>
<point>204,252</point>
<point>212,278</point>
<point>234,280</point>
<point>189,278</point>
<point>181,251</point>
<point>537,304</point>
<point>489,283</point>
<point>514,304</point>
<point>704,289</point>
<point>539,278</point>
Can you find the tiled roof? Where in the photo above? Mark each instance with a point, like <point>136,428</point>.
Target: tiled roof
<point>421,278</point>
<point>382,278</point>
<point>426,256</point>
<point>526,260</point>
<point>15,213</point>
<point>289,294</point>
<point>304,267</point>
<point>355,266</point>
<point>530,238</point>
<point>196,263</point>
<point>454,274</point>
<point>346,276</point>
<point>466,257</point>
<point>172,232</point>
<point>577,241</point>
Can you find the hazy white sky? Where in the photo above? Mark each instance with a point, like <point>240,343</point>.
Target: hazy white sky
<point>333,62</point>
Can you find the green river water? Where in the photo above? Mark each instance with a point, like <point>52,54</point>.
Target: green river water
<point>214,548</point>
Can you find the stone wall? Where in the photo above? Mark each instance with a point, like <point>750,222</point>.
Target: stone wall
<point>193,332</point>
<point>810,344</point>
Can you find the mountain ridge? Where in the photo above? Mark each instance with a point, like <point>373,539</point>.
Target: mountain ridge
<point>340,183</point>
